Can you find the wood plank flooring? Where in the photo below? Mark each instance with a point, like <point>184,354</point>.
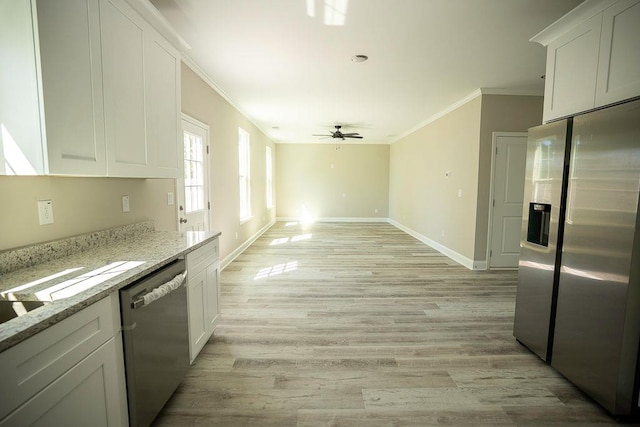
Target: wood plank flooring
<point>335,324</point>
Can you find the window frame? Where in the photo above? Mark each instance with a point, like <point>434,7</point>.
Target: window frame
<point>244,175</point>
<point>269,177</point>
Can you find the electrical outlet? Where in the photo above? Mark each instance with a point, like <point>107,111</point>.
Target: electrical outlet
<point>45,212</point>
<point>375,210</point>
<point>460,192</point>
<point>442,232</point>
<point>125,203</point>
<point>170,200</point>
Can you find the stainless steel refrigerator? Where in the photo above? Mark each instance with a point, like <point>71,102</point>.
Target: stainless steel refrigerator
<point>578,298</point>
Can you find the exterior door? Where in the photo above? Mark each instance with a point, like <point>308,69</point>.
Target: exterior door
<point>193,188</point>
<point>509,164</point>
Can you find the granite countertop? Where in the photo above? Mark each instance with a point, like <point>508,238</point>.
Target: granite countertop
<point>128,258</point>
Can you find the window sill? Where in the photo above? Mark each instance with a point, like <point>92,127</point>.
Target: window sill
<point>246,219</point>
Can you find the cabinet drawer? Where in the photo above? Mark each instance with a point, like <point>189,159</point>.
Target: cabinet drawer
<point>198,259</point>
<point>34,363</point>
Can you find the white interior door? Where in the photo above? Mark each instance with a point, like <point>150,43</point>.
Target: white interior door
<point>509,164</point>
<point>193,186</point>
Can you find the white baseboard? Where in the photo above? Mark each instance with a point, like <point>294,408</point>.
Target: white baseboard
<point>233,255</point>
<point>336,219</point>
<point>459,258</point>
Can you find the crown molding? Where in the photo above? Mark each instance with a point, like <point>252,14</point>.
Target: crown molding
<point>189,62</point>
<point>153,16</point>
<point>473,95</point>
<point>577,15</point>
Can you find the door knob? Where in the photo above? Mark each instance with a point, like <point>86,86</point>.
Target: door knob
<point>183,220</point>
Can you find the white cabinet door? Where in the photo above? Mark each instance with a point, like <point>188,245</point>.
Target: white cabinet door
<point>21,145</point>
<point>162,71</point>
<point>196,302</point>
<point>572,67</point>
<point>89,394</point>
<point>123,46</point>
<point>213,296</point>
<point>619,66</point>
<point>71,64</point>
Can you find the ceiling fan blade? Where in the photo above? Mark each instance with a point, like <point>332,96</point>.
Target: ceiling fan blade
<point>351,133</point>
<point>353,136</point>
<point>316,134</point>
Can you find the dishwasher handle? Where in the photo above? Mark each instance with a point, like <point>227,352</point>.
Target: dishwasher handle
<point>160,291</point>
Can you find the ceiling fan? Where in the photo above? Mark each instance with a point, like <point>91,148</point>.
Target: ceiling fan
<point>340,135</point>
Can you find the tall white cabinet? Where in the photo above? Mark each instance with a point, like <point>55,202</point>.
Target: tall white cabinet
<point>593,58</point>
<point>89,88</point>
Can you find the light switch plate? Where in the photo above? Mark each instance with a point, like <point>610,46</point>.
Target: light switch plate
<point>125,203</point>
<point>170,200</point>
<point>45,212</point>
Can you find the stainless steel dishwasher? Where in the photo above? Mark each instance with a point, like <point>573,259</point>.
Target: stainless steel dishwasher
<point>156,340</point>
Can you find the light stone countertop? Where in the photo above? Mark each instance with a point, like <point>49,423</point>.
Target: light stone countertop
<point>153,250</point>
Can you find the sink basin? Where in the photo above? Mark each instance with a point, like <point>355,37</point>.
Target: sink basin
<point>12,309</point>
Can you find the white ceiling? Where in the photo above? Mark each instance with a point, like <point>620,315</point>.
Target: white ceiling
<point>283,67</point>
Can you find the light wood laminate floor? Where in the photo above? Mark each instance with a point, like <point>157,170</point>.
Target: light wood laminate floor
<point>336,324</point>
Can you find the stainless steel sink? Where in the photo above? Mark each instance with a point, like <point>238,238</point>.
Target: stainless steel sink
<point>12,309</point>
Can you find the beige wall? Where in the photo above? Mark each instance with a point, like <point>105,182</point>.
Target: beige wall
<point>421,195</point>
<point>80,205</point>
<point>424,199</point>
<point>312,179</point>
<point>201,102</point>
<point>499,114</point>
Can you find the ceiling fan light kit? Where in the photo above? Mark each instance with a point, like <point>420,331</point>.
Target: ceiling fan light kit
<point>359,58</point>
<point>339,135</point>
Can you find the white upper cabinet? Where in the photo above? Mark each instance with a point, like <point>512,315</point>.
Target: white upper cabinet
<point>619,67</point>
<point>51,85</point>
<point>572,68</point>
<point>592,57</point>
<point>20,138</point>
<point>163,106</point>
<point>89,88</point>
<point>142,99</point>
<point>123,48</point>
<point>69,35</point>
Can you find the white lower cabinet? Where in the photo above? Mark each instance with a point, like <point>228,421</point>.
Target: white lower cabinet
<point>203,295</point>
<point>69,374</point>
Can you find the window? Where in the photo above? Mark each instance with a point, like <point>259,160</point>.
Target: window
<point>193,173</point>
<point>244,155</point>
<point>269,179</point>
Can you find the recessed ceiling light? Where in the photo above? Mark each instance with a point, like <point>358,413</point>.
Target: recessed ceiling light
<point>359,58</point>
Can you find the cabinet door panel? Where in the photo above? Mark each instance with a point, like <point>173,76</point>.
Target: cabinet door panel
<point>572,66</point>
<point>196,301</point>
<point>619,66</point>
<point>213,296</point>
<point>163,100</point>
<point>70,54</point>
<point>123,73</point>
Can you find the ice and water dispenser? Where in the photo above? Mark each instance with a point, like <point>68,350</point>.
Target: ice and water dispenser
<point>539,220</point>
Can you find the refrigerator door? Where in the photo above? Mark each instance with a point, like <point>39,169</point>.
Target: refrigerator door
<point>540,222</point>
<point>598,311</point>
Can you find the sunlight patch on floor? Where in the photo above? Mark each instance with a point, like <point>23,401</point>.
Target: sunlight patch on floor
<point>276,270</point>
